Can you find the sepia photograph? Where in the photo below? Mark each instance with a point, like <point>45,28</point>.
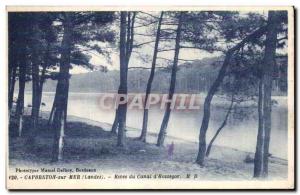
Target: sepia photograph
<point>150,98</point>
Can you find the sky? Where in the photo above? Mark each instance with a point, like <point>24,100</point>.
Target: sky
<point>142,52</point>
<point>146,51</point>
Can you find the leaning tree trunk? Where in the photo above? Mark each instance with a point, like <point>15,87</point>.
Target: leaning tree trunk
<point>265,104</point>
<point>62,91</point>
<point>150,80</point>
<point>50,120</point>
<point>207,102</point>
<point>213,89</point>
<point>53,109</point>
<point>164,124</point>
<point>220,129</point>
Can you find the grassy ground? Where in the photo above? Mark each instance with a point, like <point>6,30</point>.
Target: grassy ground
<point>89,144</point>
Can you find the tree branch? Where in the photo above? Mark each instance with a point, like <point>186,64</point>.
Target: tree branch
<point>139,67</point>
<point>143,25</point>
<point>150,15</point>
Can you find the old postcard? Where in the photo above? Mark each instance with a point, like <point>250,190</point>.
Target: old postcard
<point>150,98</point>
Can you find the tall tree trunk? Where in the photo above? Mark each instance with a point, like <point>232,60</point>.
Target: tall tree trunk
<point>116,120</point>
<point>164,124</point>
<point>130,36</point>
<point>128,46</point>
<point>12,69</point>
<point>115,124</point>
<point>220,128</point>
<point>20,102</point>
<point>213,89</point>
<point>41,85</point>
<point>122,108</point>
<point>35,58</point>
<point>43,76</point>
<point>66,104</point>
<point>150,80</point>
<point>128,39</point>
<point>12,87</point>
<point>36,104</point>
<point>35,93</point>
<point>62,91</point>
<point>265,104</point>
